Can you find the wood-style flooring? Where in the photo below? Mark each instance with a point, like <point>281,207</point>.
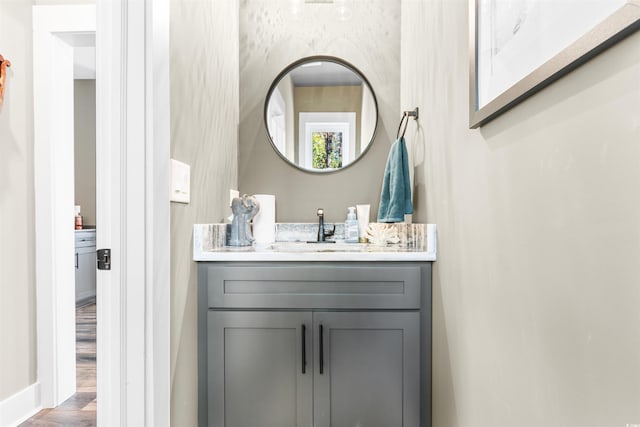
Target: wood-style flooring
<point>80,409</point>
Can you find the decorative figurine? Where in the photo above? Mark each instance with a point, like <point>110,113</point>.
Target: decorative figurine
<point>244,209</point>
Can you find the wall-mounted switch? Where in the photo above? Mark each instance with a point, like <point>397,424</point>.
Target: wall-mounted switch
<point>180,182</point>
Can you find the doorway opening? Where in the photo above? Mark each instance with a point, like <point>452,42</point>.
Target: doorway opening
<point>64,48</point>
<point>84,107</point>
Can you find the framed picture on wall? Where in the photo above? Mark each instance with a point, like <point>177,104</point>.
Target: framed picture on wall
<point>517,47</point>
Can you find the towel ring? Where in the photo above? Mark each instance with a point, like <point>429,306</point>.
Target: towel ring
<point>405,120</point>
<point>406,115</point>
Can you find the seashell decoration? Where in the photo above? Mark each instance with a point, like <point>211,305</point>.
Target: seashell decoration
<point>382,234</point>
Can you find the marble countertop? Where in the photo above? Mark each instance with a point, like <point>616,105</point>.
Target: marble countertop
<point>203,250</point>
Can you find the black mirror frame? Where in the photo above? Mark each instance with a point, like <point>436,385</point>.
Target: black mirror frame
<point>289,68</point>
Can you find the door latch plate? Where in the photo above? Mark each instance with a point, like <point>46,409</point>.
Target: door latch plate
<point>104,259</point>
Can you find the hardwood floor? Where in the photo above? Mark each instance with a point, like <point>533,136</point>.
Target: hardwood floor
<point>80,409</point>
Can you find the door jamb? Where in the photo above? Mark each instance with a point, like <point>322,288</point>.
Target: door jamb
<point>53,187</point>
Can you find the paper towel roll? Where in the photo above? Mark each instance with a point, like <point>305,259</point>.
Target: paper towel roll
<point>264,223</point>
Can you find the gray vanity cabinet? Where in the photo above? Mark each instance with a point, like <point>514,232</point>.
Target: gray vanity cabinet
<point>314,344</point>
<point>255,369</point>
<point>370,373</point>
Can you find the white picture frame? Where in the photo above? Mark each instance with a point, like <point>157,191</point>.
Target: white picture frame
<point>517,47</point>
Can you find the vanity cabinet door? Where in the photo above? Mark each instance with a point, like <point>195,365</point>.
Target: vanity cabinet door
<point>366,369</point>
<point>85,274</point>
<point>256,372</point>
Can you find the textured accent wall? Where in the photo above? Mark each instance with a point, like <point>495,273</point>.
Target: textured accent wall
<point>84,98</point>
<point>273,34</point>
<point>536,288</point>
<point>17,223</point>
<point>204,134</point>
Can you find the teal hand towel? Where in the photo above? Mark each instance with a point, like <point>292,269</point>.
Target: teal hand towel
<point>395,198</point>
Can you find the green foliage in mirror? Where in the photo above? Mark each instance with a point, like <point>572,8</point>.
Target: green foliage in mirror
<point>327,150</point>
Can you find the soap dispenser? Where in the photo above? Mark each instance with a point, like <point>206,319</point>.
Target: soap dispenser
<point>351,227</point>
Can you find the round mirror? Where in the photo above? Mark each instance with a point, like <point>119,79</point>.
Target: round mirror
<point>321,114</point>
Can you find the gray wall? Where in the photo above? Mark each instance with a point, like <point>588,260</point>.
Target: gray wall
<point>17,223</point>
<point>204,133</point>
<point>84,98</point>
<point>536,288</point>
<point>274,34</point>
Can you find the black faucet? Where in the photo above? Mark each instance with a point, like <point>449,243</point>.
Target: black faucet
<point>322,233</point>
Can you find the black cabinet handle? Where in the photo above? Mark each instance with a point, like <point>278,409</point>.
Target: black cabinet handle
<point>304,349</point>
<point>76,260</point>
<point>321,351</point>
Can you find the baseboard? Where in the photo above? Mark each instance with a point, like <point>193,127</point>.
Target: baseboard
<point>21,406</point>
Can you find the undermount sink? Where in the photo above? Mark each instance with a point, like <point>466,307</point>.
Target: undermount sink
<point>302,247</point>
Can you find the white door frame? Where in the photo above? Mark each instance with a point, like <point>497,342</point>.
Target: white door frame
<point>54,196</point>
<point>132,207</point>
<point>132,89</point>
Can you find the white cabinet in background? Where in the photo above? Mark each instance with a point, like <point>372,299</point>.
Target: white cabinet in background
<point>85,266</point>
